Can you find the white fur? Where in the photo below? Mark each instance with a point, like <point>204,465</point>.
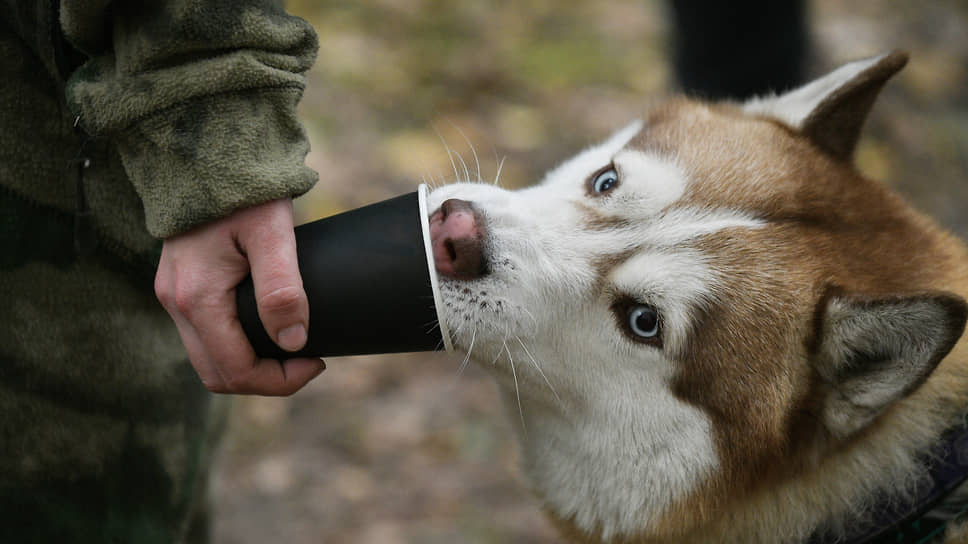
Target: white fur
<point>656,182</point>
<point>678,226</point>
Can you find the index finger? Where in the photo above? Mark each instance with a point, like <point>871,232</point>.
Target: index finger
<point>280,298</point>
<point>228,349</point>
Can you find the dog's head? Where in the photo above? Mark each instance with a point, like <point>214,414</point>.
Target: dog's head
<point>710,300</point>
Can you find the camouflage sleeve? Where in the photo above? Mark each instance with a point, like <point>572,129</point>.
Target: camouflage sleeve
<point>199,97</point>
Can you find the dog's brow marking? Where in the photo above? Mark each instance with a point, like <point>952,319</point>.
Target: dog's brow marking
<point>678,282</point>
<point>605,265</point>
<point>656,179</point>
<point>679,225</point>
<point>671,229</point>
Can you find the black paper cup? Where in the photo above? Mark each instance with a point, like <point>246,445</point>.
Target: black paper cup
<point>370,278</point>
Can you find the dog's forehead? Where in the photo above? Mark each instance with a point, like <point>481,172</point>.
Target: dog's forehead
<point>731,159</point>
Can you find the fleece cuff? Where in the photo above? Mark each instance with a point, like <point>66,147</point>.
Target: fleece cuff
<point>201,160</point>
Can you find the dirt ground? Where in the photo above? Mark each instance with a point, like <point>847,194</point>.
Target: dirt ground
<point>404,448</point>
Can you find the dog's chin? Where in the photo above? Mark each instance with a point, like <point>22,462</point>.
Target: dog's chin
<point>486,316</point>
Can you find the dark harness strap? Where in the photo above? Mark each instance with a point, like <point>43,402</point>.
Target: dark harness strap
<point>915,522</point>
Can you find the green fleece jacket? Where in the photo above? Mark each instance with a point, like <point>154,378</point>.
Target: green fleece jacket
<point>130,121</point>
<point>186,106</point>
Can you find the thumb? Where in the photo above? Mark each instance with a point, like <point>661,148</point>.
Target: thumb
<point>266,235</point>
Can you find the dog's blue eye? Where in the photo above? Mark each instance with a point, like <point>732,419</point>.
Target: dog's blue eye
<point>643,321</point>
<point>605,181</point>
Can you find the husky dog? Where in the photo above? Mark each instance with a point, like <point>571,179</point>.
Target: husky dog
<point>714,329</point>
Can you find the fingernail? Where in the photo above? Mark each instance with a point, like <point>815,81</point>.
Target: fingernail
<point>292,338</point>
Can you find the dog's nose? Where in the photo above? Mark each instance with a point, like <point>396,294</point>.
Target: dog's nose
<point>457,236</point>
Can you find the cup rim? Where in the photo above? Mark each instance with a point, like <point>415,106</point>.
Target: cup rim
<point>431,268</point>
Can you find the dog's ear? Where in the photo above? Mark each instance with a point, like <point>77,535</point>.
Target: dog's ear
<point>831,110</point>
<point>873,352</point>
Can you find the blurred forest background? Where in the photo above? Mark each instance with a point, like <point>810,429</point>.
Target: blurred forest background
<point>403,449</point>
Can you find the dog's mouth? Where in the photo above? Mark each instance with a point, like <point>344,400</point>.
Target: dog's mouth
<point>457,237</point>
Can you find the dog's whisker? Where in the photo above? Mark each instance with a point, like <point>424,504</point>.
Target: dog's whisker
<point>431,181</point>
<point>456,332</point>
<point>517,390</point>
<point>480,179</point>
<point>453,152</point>
<point>467,173</point>
<point>533,319</point>
<point>538,368</point>
<point>425,176</point>
<point>467,357</point>
<point>460,156</point>
<point>429,327</point>
<point>443,178</point>
<point>496,357</point>
<point>497,176</point>
<point>500,350</point>
<point>450,154</point>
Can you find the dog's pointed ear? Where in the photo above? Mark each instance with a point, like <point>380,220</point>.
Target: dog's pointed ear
<point>831,110</point>
<point>872,353</point>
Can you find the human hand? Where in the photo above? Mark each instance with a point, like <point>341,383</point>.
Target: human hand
<point>196,282</point>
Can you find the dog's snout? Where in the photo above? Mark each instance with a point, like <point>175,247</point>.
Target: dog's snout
<point>457,236</point>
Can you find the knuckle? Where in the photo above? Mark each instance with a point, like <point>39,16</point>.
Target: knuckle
<point>162,291</point>
<point>282,300</point>
<point>185,298</point>
<point>183,301</point>
<point>215,386</point>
